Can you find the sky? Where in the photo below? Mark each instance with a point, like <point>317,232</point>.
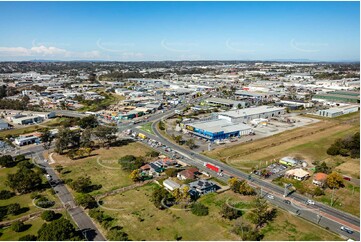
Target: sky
<point>156,31</point>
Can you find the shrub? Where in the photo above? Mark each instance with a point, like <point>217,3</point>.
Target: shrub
<point>14,208</point>
<point>18,226</point>
<point>5,194</point>
<point>48,215</point>
<point>229,213</point>
<point>44,202</point>
<point>199,209</point>
<point>28,237</point>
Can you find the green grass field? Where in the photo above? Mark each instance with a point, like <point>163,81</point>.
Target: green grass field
<point>138,212</point>
<point>8,234</point>
<point>147,128</point>
<point>105,171</point>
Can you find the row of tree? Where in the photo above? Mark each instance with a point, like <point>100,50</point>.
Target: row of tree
<point>349,146</point>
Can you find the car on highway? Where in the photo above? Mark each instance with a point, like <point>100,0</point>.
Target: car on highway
<point>346,229</point>
<point>310,202</point>
<point>287,201</point>
<point>270,196</point>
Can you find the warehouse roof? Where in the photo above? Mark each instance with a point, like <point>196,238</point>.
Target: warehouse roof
<point>222,100</point>
<point>220,125</point>
<point>251,111</point>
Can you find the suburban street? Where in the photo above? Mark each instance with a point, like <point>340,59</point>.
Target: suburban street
<point>83,221</point>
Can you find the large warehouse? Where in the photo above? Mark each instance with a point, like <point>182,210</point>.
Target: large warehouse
<point>218,129</point>
<point>247,114</point>
<point>232,123</point>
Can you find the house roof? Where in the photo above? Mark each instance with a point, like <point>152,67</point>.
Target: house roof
<point>201,184</point>
<point>171,183</point>
<point>297,172</point>
<point>320,176</point>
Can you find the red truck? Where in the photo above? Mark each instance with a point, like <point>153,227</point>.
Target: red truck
<point>212,167</point>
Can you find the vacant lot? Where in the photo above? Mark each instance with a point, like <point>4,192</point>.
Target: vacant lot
<point>143,221</point>
<point>310,142</point>
<point>138,212</point>
<point>102,167</point>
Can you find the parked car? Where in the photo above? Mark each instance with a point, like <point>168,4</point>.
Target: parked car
<point>346,229</point>
<point>270,196</point>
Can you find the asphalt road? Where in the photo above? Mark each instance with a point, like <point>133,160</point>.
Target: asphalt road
<point>83,221</point>
<point>319,213</point>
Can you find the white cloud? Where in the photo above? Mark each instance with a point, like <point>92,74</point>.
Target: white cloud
<point>14,51</point>
<point>48,51</point>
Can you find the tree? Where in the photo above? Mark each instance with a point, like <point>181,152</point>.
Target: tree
<point>117,235</point>
<point>261,213</point>
<point>44,202</point>
<point>131,163</point>
<point>322,168</point>
<point>85,138</point>
<point>25,164</point>
<point>199,209</point>
<point>190,143</point>
<point>334,180</point>
<point>135,176</point>
<point>229,212</point>
<point>18,226</point>
<point>88,122</point>
<point>171,172</point>
<point>81,184</point>
<point>14,208</point>
<point>153,153</point>
<point>46,138</point>
<point>105,134</point>
<point>246,232</point>
<point>234,184</point>
<point>246,189</point>
<point>86,201</point>
<point>7,161</point>
<point>159,194</point>
<point>5,194</point>
<point>58,230</point>
<point>177,138</point>
<point>28,237</point>
<point>24,180</point>
<point>48,215</point>
<point>63,140</point>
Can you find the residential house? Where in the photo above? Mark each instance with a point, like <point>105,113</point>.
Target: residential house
<point>189,173</point>
<point>298,174</point>
<point>319,179</point>
<point>201,187</point>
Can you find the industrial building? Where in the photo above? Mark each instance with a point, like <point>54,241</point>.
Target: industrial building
<point>338,97</point>
<point>247,114</point>
<point>222,102</point>
<point>218,129</point>
<point>335,112</point>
